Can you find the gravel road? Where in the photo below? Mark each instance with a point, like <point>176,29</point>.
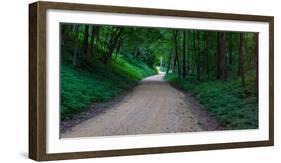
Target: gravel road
<point>153,106</point>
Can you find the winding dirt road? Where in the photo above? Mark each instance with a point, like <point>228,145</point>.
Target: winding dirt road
<point>153,106</point>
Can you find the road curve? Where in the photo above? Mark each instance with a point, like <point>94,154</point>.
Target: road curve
<point>153,106</point>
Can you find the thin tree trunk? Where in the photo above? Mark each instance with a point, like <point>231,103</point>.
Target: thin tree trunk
<point>241,60</point>
<point>63,33</point>
<point>174,57</point>
<point>184,55</point>
<point>136,52</point>
<point>198,67</point>
<point>187,54</point>
<point>94,32</point>
<point>86,40</point>
<point>63,37</point>
<point>112,44</point>
<point>176,62</point>
<point>221,57</point>
<point>218,70</point>
<point>169,63</point>
<point>76,35</point>
<point>256,62</point>
<point>195,52</point>
<point>230,50</point>
<point>207,54</point>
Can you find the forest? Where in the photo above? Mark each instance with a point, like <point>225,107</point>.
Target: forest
<point>219,68</point>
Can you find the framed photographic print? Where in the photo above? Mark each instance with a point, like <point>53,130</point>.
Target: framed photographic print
<point>112,81</point>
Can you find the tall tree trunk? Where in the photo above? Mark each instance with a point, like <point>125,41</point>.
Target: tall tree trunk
<point>136,52</point>
<point>256,62</point>
<point>86,40</point>
<point>179,68</point>
<point>221,57</point>
<point>63,33</point>
<point>112,44</point>
<point>63,37</point>
<point>184,55</point>
<point>198,62</point>
<point>241,60</point>
<point>194,66</point>
<point>169,63</point>
<point>174,57</point>
<point>175,51</point>
<point>176,62</point>
<point>187,54</point>
<point>230,50</point>
<point>76,34</point>
<point>218,66</point>
<point>206,52</point>
<point>94,32</point>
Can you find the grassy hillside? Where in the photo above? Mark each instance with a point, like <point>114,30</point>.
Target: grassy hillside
<point>233,106</point>
<point>80,88</point>
<point>135,70</point>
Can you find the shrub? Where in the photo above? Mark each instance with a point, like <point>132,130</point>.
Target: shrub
<point>225,100</point>
<point>80,88</point>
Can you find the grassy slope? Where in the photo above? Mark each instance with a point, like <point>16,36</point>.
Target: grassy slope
<point>80,88</point>
<point>234,107</point>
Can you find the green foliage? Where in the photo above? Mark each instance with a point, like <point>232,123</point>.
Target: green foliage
<point>97,75</point>
<point>80,88</point>
<point>233,106</point>
<point>115,57</point>
<point>134,69</point>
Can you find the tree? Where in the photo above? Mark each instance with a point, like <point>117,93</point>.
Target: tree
<point>241,60</point>
<point>221,57</point>
<point>206,53</point>
<point>197,53</point>
<point>256,61</point>
<point>169,63</point>
<point>185,48</point>
<point>230,49</point>
<point>111,44</point>
<point>119,44</point>
<point>76,34</point>
<point>64,34</point>
<point>95,30</point>
<point>188,62</point>
<point>86,44</point>
<point>176,58</point>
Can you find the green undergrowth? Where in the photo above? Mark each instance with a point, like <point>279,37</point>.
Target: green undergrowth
<point>134,69</point>
<point>81,88</point>
<point>232,105</point>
